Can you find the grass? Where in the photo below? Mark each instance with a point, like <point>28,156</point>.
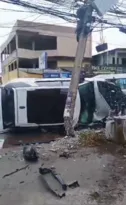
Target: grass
<point>92,138</point>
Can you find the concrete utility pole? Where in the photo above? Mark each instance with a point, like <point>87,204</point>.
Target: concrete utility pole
<point>85,16</point>
<point>86,21</point>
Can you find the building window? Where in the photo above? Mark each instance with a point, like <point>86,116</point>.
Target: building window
<point>9,68</point>
<point>123,61</point>
<point>46,43</point>
<point>12,66</point>
<point>113,60</point>
<point>15,65</point>
<point>13,45</point>
<point>28,63</point>
<point>117,61</point>
<point>52,64</point>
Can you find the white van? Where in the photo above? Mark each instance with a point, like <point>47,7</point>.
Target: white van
<point>27,102</point>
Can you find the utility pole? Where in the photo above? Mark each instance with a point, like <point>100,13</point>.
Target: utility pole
<point>85,29</point>
<point>86,19</point>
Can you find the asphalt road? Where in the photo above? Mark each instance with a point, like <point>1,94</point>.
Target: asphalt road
<point>27,136</point>
<point>101,174</point>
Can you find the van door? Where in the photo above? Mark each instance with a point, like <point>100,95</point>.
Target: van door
<point>21,106</point>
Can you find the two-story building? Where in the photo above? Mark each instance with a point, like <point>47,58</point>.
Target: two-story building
<point>28,40</point>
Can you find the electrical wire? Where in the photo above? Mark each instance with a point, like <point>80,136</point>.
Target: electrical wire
<point>12,22</point>
<point>43,9</point>
<point>55,10</point>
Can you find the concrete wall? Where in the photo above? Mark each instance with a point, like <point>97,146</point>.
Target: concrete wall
<point>10,59</point>
<point>9,76</point>
<point>25,53</point>
<point>69,64</point>
<point>14,74</point>
<point>67,46</point>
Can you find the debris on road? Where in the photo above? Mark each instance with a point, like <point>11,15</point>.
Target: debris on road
<point>21,182</point>
<point>65,154</point>
<point>17,170</point>
<point>30,153</point>
<point>73,185</point>
<point>53,181</point>
<point>54,150</point>
<point>65,143</point>
<point>95,195</point>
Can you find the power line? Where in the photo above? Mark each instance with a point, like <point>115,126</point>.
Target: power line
<point>67,16</point>
<point>12,22</point>
<point>43,9</point>
<point>55,11</point>
<point>15,10</point>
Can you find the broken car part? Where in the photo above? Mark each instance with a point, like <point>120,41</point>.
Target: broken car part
<point>73,185</point>
<point>53,181</point>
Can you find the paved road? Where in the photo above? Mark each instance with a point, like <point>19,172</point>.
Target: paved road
<point>101,174</point>
<point>27,136</point>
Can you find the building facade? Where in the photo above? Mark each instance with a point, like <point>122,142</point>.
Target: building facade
<point>113,59</point>
<point>28,40</point>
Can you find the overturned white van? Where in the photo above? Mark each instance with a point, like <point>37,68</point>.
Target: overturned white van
<point>35,102</point>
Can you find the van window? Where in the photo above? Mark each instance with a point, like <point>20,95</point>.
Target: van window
<point>121,83</point>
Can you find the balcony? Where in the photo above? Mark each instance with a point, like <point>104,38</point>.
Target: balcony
<point>31,54</point>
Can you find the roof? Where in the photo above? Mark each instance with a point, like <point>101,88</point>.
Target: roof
<point>43,26</point>
<point>115,49</point>
<point>110,76</point>
<point>38,82</point>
